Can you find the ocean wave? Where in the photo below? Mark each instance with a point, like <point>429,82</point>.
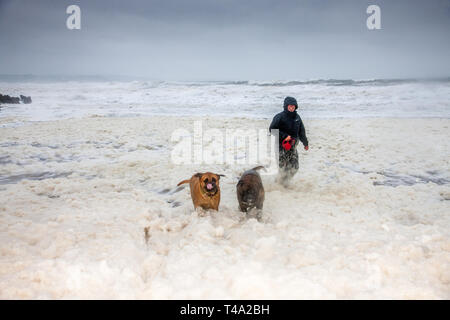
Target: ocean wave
<point>324,82</point>
<point>343,82</point>
<point>144,83</point>
<point>320,98</point>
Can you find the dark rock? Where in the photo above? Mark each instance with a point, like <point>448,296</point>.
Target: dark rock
<point>8,99</point>
<point>14,100</point>
<point>25,99</point>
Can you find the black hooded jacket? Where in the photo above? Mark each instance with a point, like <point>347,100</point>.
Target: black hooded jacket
<point>289,123</point>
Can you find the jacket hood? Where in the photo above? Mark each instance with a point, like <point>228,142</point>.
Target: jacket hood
<point>288,101</point>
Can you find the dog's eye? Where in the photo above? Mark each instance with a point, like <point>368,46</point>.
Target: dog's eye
<point>213,179</point>
<point>206,180</point>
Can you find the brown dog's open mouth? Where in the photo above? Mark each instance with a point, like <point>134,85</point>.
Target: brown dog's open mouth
<point>210,189</point>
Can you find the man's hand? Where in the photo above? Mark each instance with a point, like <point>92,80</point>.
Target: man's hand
<point>288,138</point>
<point>306,148</point>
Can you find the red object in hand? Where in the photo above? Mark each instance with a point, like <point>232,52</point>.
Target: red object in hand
<point>288,144</point>
<point>306,148</point>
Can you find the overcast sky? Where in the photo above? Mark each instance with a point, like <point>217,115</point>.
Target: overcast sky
<point>226,39</point>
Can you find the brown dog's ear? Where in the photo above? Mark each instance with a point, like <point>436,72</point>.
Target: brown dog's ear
<point>220,175</point>
<point>198,175</point>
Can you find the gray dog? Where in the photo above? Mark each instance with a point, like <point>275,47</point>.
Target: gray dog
<point>250,190</point>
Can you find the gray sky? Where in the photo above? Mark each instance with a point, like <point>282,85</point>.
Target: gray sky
<point>226,39</point>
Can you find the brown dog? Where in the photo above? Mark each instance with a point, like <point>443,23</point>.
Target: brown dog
<point>250,190</point>
<point>205,190</point>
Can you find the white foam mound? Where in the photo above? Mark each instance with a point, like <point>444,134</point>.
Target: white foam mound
<point>84,214</point>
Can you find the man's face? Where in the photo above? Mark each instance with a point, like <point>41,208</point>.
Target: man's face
<point>291,108</point>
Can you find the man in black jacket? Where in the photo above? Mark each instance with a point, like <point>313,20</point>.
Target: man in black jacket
<point>291,130</point>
